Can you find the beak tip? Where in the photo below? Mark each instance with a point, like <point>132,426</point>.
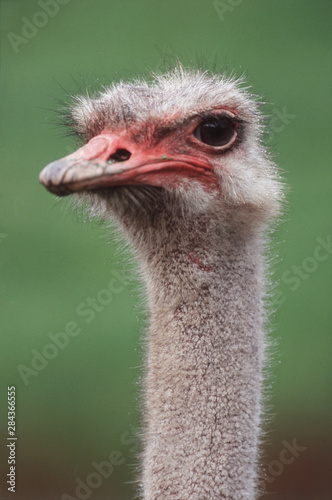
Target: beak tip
<point>47,178</point>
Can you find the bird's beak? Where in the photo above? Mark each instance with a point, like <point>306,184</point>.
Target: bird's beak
<point>112,160</point>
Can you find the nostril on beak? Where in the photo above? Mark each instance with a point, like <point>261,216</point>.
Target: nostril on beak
<point>120,155</point>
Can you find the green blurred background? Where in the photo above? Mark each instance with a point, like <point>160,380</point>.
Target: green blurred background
<point>84,403</point>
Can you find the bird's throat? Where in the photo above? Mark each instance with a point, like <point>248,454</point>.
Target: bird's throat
<point>203,374</point>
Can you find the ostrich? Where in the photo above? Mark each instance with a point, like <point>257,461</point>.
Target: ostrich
<point>178,165</point>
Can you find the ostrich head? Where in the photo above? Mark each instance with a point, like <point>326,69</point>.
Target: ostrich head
<point>187,138</point>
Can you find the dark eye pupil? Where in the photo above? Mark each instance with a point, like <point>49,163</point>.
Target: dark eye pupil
<point>215,131</point>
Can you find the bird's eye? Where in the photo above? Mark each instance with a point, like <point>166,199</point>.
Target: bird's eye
<point>217,132</point>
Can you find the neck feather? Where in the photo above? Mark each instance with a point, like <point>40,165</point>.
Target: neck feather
<point>204,363</point>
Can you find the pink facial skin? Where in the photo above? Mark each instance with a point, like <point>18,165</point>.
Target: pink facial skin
<point>100,162</point>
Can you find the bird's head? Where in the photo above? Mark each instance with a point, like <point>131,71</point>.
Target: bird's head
<point>189,133</point>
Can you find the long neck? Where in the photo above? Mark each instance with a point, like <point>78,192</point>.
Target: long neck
<point>203,368</point>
